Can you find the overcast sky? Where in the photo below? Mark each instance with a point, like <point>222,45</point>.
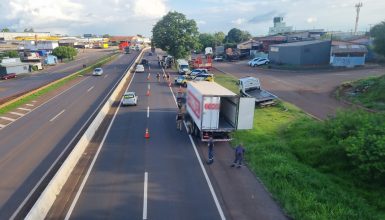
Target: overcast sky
<point>130,17</point>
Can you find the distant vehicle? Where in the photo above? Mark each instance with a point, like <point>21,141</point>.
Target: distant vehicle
<point>130,98</point>
<point>127,50</point>
<point>212,110</point>
<point>208,51</point>
<point>8,76</point>
<point>144,62</point>
<point>139,68</point>
<point>97,72</point>
<point>251,87</point>
<point>183,66</point>
<point>259,62</point>
<point>253,60</point>
<point>138,47</point>
<point>197,71</point>
<point>150,54</point>
<point>182,80</point>
<point>218,58</point>
<point>204,77</point>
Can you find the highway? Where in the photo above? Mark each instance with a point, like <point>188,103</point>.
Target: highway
<point>27,82</point>
<point>30,145</point>
<point>137,178</point>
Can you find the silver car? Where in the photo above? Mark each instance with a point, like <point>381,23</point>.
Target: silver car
<point>130,98</point>
<point>97,72</point>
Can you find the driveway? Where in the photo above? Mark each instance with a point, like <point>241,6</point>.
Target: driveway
<point>312,91</point>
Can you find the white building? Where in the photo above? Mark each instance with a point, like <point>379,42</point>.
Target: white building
<point>40,45</point>
<point>279,27</point>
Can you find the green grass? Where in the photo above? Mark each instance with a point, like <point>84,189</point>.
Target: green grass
<point>227,81</point>
<point>302,169</point>
<point>54,86</point>
<point>367,92</point>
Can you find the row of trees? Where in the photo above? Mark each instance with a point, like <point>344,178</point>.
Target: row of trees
<point>178,35</point>
<point>25,30</point>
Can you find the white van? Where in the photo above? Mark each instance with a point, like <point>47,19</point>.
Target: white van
<point>183,67</point>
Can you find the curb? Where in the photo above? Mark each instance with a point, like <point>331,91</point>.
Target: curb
<point>42,206</point>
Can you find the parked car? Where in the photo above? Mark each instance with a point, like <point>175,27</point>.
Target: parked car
<point>8,76</point>
<point>139,68</point>
<point>261,61</point>
<point>253,60</point>
<point>97,72</point>
<point>182,80</point>
<point>204,77</point>
<point>218,58</point>
<point>198,71</point>
<point>130,98</point>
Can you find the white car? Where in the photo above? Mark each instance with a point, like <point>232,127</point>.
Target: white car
<point>253,60</point>
<point>97,72</point>
<point>130,98</point>
<point>260,61</point>
<point>218,58</point>
<point>139,68</point>
<point>198,71</point>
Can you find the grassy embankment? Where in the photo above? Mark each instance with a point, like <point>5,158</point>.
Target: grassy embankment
<point>53,86</point>
<point>318,170</point>
<point>368,92</point>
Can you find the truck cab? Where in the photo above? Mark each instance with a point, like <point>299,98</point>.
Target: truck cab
<point>249,83</point>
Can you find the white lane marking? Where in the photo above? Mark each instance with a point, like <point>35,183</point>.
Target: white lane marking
<point>203,168</point>
<point>34,101</point>
<point>16,113</point>
<point>148,111</point>
<point>52,119</point>
<point>148,86</point>
<point>29,105</point>
<point>2,126</point>
<point>88,90</point>
<point>24,109</point>
<point>8,119</point>
<point>105,76</point>
<point>71,209</point>
<point>145,196</point>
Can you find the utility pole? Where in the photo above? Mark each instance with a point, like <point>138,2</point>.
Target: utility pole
<point>358,7</point>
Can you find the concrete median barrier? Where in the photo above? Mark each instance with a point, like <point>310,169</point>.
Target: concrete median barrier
<point>48,196</point>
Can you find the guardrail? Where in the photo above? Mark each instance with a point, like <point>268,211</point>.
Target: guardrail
<point>48,196</point>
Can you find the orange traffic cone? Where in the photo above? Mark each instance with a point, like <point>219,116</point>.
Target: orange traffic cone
<point>147,134</point>
<point>148,92</point>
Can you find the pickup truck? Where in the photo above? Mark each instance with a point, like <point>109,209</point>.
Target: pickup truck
<point>214,111</point>
<point>251,87</point>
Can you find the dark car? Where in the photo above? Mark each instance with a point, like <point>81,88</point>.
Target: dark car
<point>8,76</point>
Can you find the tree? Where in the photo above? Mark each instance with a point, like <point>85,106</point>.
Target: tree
<point>207,40</point>
<point>175,34</point>
<point>236,36</point>
<point>378,33</point>
<point>5,30</point>
<point>219,38</point>
<point>10,54</point>
<point>64,52</point>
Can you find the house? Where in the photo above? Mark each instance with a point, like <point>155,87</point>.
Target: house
<point>315,52</point>
<point>348,55</point>
<point>270,40</point>
<point>13,65</point>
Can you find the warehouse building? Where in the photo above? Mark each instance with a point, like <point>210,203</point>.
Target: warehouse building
<point>315,52</point>
<point>348,55</point>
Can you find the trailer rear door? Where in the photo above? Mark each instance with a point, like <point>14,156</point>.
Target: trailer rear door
<point>210,117</point>
<point>246,113</point>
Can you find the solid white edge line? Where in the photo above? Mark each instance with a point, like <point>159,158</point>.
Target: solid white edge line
<point>70,210</point>
<point>52,119</point>
<point>145,195</point>
<point>203,168</point>
<point>88,90</point>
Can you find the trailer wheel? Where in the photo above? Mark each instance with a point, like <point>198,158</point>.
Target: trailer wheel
<point>196,131</point>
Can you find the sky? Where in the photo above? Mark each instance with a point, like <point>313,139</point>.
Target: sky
<point>131,17</point>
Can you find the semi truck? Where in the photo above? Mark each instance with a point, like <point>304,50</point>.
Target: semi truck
<point>251,87</point>
<point>214,111</point>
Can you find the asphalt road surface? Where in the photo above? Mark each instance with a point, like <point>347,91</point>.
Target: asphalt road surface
<point>31,144</point>
<point>27,82</point>
<point>176,187</point>
<point>312,91</point>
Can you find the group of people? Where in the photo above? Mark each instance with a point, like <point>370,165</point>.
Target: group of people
<point>239,153</point>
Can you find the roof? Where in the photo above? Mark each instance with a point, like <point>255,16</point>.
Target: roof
<point>210,88</point>
<point>349,49</point>
<point>122,38</point>
<point>301,43</point>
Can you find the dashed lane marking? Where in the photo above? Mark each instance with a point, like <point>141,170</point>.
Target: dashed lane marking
<point>88,90</point>
<point>52,119</point>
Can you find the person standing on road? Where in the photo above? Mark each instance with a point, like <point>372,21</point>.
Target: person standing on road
<point>210,146</point>
<point>179,120</point>
<point>239,153</point>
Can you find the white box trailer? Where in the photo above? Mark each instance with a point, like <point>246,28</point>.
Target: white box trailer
<point>213,110</point>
